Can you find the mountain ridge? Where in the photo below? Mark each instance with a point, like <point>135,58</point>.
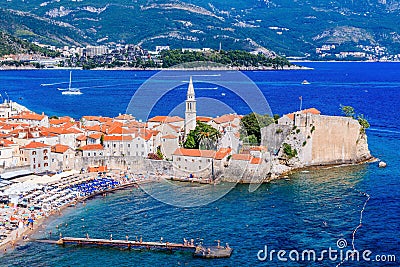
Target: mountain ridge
<point>289,27</point>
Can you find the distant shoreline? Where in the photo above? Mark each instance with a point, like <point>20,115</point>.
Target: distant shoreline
<point>293,67</point>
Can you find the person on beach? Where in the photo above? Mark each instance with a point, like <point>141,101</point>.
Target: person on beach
<point>127,238</point>
<point>87,236</point>
<point>111,237</point>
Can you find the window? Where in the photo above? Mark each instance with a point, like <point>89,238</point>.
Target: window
<point>94,154</point>
<point>34,160</point>
<point>88,154</point>
<point>209,160</point>
<point>34,166</point>
<point>199,167</point>
<point>115,145</point>
<point>45,151</point>
<point>38,165</point>
<point>45,157</point>
<point>33,152</point>
<point>129,145</point>
<point>46,164</point>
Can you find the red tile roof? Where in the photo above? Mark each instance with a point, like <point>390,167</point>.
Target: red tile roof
<point>203,119</point>
<point>226,118</point>
<point>125,117</point>
<point>61,120</point>
<point>81,138</point>
<point>245,157</point>
<point>58,148</point>
<point>305,111</point>
<point>255,161</point>
<point>222,153</point>
<point>166,119</point>
<point>34,145</point>
<point>194,153</point>
<point>108,138</point>
<point>95,135</point>
<point>92,147</point>
<point>6,142</point>
<point>27,115</point>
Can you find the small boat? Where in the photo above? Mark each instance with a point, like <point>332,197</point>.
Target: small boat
<point>223,94</point>
<point>305,82</point>
<point>70,90</point>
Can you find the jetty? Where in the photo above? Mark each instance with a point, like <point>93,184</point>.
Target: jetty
<point>197,250</point>
<point>191,180</point>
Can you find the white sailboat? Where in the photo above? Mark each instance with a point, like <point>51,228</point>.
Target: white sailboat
<point>70,90</point>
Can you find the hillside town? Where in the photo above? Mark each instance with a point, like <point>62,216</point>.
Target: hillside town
<point>136,57</point>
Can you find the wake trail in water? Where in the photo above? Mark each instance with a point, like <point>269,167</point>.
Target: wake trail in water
<point>358,227</point>
<point>383,131</point>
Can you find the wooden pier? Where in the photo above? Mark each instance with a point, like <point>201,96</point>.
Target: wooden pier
<point>198,251</point>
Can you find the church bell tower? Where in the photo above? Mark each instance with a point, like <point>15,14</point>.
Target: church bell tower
<point>190,113</point>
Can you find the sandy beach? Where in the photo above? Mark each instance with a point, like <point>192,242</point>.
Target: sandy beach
<point>25,230</point>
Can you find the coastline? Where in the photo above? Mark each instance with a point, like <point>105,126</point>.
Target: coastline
<point>16,240</point>
<point>17,236</point>
<point>285,68</point>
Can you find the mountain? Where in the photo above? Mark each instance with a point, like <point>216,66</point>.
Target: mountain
<point>289,27</point>
<point>13,45</point>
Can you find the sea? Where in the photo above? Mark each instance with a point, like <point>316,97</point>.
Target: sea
<point>332,209</point>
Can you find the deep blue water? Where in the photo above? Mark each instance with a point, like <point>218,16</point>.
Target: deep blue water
<point>306,211</point>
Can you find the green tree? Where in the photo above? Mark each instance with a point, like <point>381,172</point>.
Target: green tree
<point>348,111</point>
<point>250,140</point>
<point>252,123</point>
<point>276,118</point>
<point>190,141</point>
<point>203,136</point>
<point>287,149</point>
<point>363,122</point>
<point>159,153</point>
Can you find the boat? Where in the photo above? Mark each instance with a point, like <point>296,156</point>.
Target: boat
<point>70,90</point>
<point>305,82</point>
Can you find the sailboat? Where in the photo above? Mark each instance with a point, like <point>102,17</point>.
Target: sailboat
<point>70,91</point>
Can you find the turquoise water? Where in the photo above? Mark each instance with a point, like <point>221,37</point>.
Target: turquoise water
<point>306,211</point>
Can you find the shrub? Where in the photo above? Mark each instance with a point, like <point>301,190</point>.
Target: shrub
<point>287,149</point>
<point>298,130</point>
